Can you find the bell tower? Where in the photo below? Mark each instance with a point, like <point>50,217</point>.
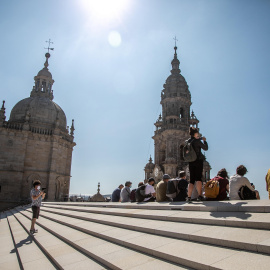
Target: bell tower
<point>172,126</point>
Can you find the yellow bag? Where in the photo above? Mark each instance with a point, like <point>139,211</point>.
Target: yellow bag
<point>211,189</point>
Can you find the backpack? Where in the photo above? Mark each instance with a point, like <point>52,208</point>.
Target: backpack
<point>211,189</point>
<point>172,188</point>
<point>189,153</point>
<point>140,194</point>
<point>246,194</point>
<point>132,195</point>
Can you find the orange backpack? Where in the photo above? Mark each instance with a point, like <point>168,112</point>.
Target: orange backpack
<point>211,189</point>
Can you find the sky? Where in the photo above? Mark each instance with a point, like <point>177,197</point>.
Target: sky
<point>110,61</point>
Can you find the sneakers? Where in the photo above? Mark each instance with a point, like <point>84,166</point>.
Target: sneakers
<point>200,198</point>
<point>188,200</point>
<point>33,231</point>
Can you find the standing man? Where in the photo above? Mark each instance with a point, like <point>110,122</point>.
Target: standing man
<point>162,188</point>
<point>125,192</point>
<point>116,194</point>
<point>37,196</point>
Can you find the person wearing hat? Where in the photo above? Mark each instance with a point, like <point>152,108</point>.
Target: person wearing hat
<point>37,196</point>
<point>125,192</point>
<point>162,188</point>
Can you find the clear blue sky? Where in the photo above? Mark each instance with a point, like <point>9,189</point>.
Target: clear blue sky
<point>112,87</point>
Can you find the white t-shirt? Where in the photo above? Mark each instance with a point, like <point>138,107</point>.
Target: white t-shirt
<point>237,181</point>
<point>149,189</point>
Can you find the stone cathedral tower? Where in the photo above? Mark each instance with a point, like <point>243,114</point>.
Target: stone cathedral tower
<point>35,143</point>
<point>172,127</point>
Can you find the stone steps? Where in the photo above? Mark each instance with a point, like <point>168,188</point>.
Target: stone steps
<point>112,255</point>
<point>253,206</point>
<point>30,255</point>
<point>128,236</point>
<point>229,219</point>
<point>188,253</point>
<point>244,239</point>
<point>8,256</point>
<point>62,254</point>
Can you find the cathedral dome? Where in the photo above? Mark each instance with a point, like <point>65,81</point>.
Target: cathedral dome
<point>40,111</point>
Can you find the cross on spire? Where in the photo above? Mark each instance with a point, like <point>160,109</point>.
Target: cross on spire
<point>175,39</point>
<point>49,48</point>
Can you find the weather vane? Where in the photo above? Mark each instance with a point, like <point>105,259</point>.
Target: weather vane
<point>50,42</point>
<point>175,39</point>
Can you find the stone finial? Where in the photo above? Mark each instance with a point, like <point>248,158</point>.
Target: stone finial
<point>150,159</point>
<point>193,116</point>
<point>72,128</point>
<point>3,105</point>
<point>98,190</point>
<point>3,113</point>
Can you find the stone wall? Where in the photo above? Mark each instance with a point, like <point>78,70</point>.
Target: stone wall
<point>26,156</point>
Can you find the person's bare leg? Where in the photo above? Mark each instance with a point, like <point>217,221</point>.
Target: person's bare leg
<point>257,195</point>
<point>199,187</point>
<point>190,189</point>
<point>33,223</point>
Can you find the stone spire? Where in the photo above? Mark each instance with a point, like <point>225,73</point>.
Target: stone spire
<point>175,62</point>
<point>72,128</point>
<point>44,80</point>
<point>2,114</point>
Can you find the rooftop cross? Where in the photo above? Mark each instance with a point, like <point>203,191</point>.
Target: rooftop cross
<point>175,39</point>
<point>175,47</point>
<point>50,42</point>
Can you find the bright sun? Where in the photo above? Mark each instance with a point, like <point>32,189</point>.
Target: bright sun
<point>105,10</point>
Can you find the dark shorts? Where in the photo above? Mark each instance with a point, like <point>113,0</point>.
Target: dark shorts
<point>195,170</point>
<point>36,211</point>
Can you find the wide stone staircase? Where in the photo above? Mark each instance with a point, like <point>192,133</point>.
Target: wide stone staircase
<point>201,235</point>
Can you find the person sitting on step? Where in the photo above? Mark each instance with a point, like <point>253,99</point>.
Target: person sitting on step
<point>149,189</point>
<point>237,181</point>
<point>125,192</point>
<point>222,178</point>
<point>116,194</point>
<point>162,188</point>
<point>182,187</point>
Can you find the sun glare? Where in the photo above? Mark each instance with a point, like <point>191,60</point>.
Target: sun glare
<point>105,10</point>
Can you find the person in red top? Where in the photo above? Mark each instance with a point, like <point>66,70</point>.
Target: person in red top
<point>222,178</point>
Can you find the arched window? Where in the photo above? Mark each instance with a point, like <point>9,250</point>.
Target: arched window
<point>181,114</point>
<point>43,86</point>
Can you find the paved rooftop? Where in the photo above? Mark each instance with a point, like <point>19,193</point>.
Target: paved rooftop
<point>202,235</point>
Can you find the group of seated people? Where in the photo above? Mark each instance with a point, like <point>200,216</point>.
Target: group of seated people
<point>237,187</point>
